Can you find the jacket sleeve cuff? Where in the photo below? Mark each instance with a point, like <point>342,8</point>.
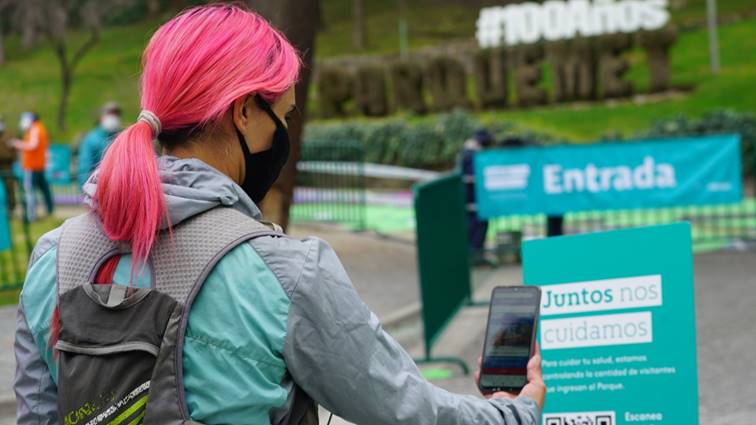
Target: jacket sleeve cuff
<point>521,411</point>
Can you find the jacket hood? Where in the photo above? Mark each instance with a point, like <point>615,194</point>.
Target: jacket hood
<point>191,187</point>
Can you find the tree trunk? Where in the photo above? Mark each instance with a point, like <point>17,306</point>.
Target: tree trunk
<point>153,7</point>
<point>299,20</point>
<point>29,27</point>
<point>66,78</point>
<point>68,67</point>
<point>270,9</point>
<point>2,44</point>
<point>403,28</point>
<point>359,30</point>
<point>176,5</point>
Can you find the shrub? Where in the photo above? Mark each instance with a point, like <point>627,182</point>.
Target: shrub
<point>716,122</point>
<point>434,142</point>
<point>430,143</point>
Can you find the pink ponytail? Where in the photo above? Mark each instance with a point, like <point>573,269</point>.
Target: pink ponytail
<point>195,66</point>
<point>129,195</point>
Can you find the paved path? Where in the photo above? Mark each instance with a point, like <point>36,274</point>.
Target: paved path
<point>383,270</point>
<point>384,273</point>
<point>7,361</point>
<point>726,338</point>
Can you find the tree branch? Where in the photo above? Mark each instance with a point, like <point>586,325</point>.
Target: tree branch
<point>60,50</point>
<point>94,37</point>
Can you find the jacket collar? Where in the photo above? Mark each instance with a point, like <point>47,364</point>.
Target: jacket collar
<point>191,187</point>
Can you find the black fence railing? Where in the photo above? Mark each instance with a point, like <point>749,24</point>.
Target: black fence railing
<point>331,185</point>
<point>714,226</point>
<point>17,247</point>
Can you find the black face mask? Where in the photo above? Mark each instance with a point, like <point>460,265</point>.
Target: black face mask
<point>263,168</point>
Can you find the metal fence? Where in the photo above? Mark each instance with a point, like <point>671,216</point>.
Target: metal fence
<point>13,260</point>
<point>331,185</point>
<point>714,226</point>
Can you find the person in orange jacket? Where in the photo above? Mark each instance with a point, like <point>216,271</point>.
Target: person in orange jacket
<point>33,161</point>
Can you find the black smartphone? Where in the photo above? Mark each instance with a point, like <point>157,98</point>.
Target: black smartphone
<point>510,338</point>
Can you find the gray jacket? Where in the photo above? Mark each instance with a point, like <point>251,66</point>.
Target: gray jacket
<point>277,327</point>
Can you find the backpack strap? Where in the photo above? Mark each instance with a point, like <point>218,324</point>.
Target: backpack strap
<point>82,248</point>
<point>180,258</point>
<point>182,261</point>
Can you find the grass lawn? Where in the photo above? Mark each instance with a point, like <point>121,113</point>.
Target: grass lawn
<point>13,262</point>
<point>714,227</point>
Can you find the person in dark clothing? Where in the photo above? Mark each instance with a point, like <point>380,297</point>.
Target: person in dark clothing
<point>554,225</point>
<point>7,157</point>
<point>95,143</point>
<point>477,227</point>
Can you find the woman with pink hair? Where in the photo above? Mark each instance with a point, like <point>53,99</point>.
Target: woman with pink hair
<point>172,302</point>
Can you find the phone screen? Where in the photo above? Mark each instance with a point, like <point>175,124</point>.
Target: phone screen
<point>510,337</point>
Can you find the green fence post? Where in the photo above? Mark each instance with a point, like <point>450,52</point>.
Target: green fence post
<point>443,258</point>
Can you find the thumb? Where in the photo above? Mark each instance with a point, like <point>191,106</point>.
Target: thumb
<point>535,373</point>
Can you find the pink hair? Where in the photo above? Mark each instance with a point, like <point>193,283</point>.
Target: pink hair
<point>194,67</point>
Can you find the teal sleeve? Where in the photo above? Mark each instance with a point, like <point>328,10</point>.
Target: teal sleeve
<point>233,349</point>
<point>38,302</point>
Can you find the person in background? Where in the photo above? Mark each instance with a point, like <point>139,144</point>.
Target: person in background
<point>33,161</point>
<point>477,227</point>
<point>7,157</point>
<point>93,145</point>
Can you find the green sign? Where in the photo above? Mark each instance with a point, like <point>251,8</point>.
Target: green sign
<point>617,328</point>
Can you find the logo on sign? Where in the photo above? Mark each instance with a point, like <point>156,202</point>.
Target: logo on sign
<point>506,177</point>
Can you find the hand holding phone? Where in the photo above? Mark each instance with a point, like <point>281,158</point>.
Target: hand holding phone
<point>535,389</point>
<point>510,341</point>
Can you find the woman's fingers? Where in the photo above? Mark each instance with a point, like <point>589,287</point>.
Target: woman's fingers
<point>502,394</point>
<point>535,373</point>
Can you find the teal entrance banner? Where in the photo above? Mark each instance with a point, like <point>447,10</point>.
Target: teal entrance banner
<point>58,167</point>
<point>617,328</point>
<point>603,176</point>
<point>5,235</point>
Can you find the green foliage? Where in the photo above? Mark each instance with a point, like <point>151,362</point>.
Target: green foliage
<point>717,122</point>
<point>434,143</point>
<point>437,21</point>
<point>729,89</point>
<point>431,143</point>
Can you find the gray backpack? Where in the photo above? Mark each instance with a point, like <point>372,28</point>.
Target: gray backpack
<point>120,348</point>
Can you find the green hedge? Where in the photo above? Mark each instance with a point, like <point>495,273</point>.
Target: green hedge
<point>431,143</point>
<point>716,122</point>
<point>434,142</point>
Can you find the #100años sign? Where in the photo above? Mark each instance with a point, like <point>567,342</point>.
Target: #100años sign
<point>557,20</point>
<point>583,44</point>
